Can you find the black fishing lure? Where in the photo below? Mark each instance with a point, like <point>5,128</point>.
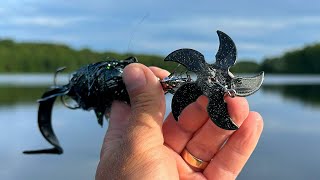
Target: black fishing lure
<point>95,86</point>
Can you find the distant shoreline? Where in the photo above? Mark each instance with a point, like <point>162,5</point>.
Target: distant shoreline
<point>46,57</point>
<point>46,79</point>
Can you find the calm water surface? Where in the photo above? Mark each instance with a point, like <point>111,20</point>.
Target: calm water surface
<point>289,146</point>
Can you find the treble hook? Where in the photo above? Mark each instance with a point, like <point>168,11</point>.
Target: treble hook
<point>67,105</point>
<point>56,74</point>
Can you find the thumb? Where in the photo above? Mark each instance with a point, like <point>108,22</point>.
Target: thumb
<point>147,102</point>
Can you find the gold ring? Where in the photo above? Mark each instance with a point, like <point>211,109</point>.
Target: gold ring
<point>193,161</point>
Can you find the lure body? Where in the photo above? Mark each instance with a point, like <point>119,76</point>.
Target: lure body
<point>92,87</point>
<point>96,86</point>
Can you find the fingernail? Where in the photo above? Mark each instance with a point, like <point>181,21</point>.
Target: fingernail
<point>134,78</point>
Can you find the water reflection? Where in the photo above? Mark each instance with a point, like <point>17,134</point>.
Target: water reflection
<point>307,94</point>
<point>10,95</point>
<point>288,148</point>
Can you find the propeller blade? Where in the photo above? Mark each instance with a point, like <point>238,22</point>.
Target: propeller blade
<point>193,60</point>
<point>227,53</point>
<point>185,95</point>
<point>245,86</point>
<point>218,111</point>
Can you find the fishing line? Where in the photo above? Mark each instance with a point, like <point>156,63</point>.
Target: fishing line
<point>135,29</point>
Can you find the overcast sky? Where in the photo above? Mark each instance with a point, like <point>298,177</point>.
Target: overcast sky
<point>259,28</point>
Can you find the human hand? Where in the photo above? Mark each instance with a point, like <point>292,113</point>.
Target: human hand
<point>139,145</point>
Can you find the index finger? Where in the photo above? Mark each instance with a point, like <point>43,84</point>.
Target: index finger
<point>160,73</point>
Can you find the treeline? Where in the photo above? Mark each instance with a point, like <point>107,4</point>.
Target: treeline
<point>46,57</point>
<point>301,61</point>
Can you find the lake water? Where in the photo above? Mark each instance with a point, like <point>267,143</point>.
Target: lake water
<point>288,149</point>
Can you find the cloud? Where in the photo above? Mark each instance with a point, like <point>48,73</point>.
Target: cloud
<point>44,21</point>
<point>242,26</point>
<point>255,37</point>
<point>106,25</point>
<point>208,48</point>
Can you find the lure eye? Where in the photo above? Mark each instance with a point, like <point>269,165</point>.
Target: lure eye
<point>211,79</point>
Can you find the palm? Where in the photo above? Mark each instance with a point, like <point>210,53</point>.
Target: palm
<point>171,160</point>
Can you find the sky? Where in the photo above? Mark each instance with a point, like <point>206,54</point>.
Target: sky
<point>259,29</point>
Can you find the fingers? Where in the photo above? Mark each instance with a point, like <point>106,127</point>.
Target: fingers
<point>119,115</point>
<point>119,119</point>
<point>160,73</point>
<point>209,138</point>
<point>177,133</point>
<point>135,135</point>
<point>147,103</point>
<point>229,161</point>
